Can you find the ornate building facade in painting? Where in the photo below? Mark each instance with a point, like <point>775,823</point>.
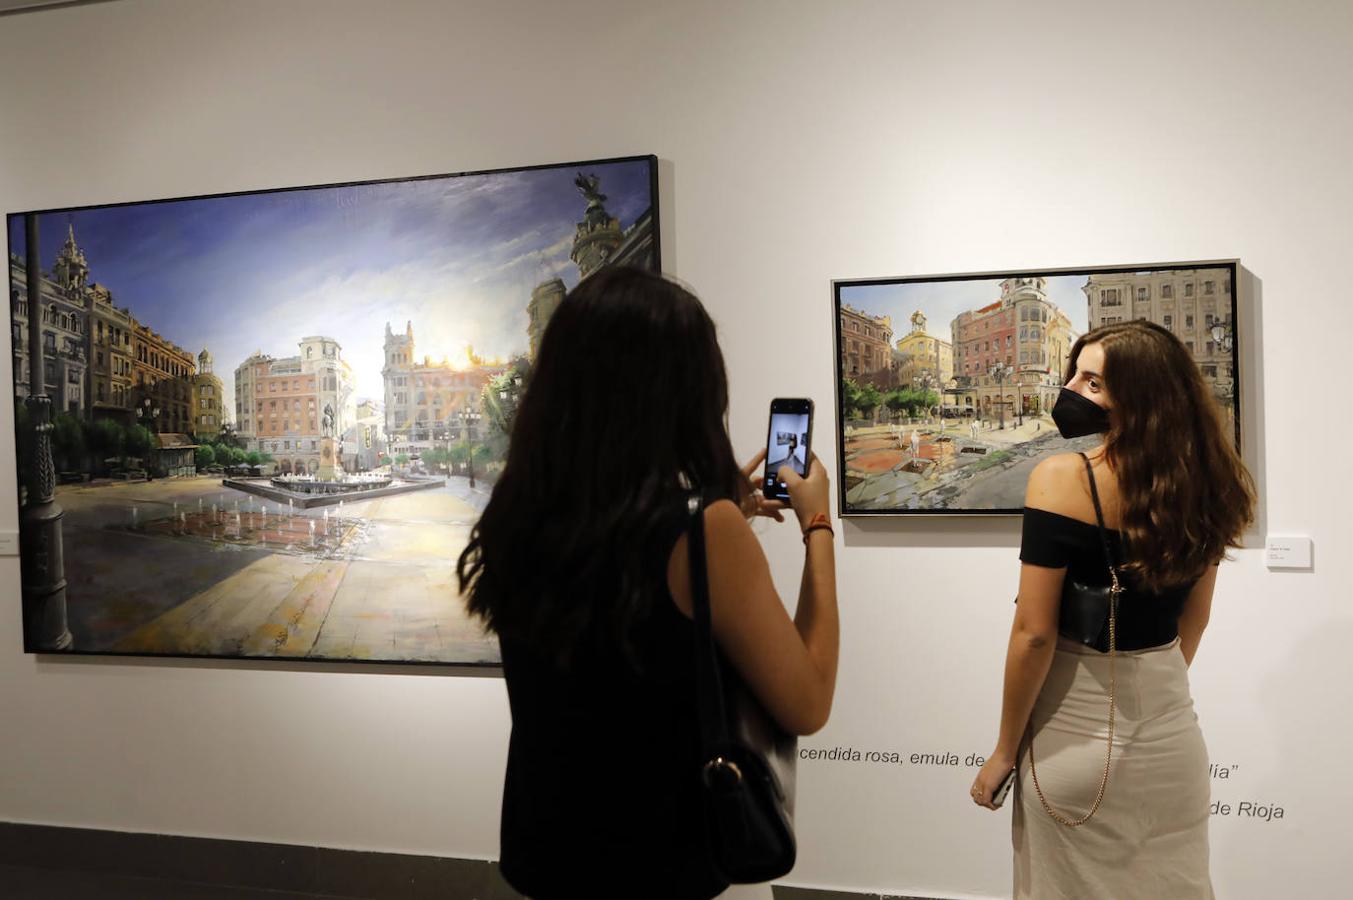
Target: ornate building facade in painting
<point>64,314</point>
<point>111,356</point>
<point>99,360</point>
<point>545,299</point>
<point>598,240</point>
<point>866,346</point>
<point>923,360</point>
<point>364,440</point>
<point>280,402</point>
<point>1009,355</point>
<point>1195,304</point>
<point>208,394</point>
<point>162,389</point>
<point>426,401</point>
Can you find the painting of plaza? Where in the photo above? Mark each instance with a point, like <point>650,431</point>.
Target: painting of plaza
<point>262,425</point>
<point>946,384</point>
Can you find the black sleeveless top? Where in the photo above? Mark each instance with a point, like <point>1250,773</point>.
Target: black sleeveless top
<point>1145,619</point>
<point>602,797</point>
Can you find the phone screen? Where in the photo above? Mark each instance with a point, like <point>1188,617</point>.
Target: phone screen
<point>791,428</point>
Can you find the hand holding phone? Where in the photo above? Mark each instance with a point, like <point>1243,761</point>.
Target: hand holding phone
<point>788,443</point>
<point>1003,789</point>
<point>1003,770</point>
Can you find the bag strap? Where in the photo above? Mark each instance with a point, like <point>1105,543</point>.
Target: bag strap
<point>1115,589</point>
<point>1099,518</point>
<point>709,695</point>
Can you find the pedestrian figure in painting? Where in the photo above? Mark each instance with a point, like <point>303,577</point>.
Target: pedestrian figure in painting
<point>915,443</point>
<point>579,565</point>
<point>1120,552</point>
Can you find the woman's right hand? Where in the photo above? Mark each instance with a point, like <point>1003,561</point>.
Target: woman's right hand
<point>808,496</point>
<point>989,779</point>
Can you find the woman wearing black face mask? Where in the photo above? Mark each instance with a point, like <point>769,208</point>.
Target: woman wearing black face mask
<point>1097,726</point>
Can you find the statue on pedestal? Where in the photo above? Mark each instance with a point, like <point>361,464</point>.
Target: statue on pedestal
<point>328,470</point>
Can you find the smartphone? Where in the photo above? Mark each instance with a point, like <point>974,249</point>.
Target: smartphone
<point>998,798</point>
<point>787,443</point>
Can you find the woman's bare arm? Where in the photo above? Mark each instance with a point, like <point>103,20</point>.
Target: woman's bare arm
<point>1197,610</point>
<point>788,664</point>
<point>1033,634</point>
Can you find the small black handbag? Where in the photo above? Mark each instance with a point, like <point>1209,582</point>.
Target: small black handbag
<point>747,762</point>
<point>1083,613</point>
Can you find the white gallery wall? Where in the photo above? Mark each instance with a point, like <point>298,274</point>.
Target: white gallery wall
<point>800,142</point>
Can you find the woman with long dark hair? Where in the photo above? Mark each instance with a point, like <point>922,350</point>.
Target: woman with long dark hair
<point>1112,790</point>
<point>579,565</point>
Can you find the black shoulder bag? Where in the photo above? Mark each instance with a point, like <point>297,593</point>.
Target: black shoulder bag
<point>1084,609</point>
<point>747,762</point>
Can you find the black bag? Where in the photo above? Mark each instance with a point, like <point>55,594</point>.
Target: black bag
<point>1083,613</point>
<point>747,766</point>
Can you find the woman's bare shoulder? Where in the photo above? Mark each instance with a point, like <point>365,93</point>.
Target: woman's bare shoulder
<point>724,517</point>
<point>1055,483</point>
<point>1060,467</point>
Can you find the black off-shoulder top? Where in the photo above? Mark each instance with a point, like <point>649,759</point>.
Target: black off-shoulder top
<point>1145,618</point>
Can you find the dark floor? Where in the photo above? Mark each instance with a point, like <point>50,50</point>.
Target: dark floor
<point>21,883</point>
<point>54,862</point>
<point>24,883</point>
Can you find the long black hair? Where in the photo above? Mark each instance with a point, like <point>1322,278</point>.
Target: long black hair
<point>626,404</point>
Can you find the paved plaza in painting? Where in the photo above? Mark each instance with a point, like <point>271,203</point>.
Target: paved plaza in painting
<point>374,579</point>
<point>963,464</point>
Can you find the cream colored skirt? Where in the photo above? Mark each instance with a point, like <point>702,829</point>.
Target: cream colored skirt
<point>1149,837</point>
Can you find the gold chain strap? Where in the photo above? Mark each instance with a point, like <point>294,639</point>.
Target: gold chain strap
<point>1057,816</point>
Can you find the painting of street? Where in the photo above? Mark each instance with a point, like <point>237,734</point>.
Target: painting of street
<point>262,425</point>
<point>946,384</point>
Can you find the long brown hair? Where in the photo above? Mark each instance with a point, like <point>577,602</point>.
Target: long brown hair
<point>626,405</point>
<point>1186,496</point>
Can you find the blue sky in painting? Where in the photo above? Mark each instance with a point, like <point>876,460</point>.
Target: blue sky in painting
<point>942,301</point>
<point>458,256</point>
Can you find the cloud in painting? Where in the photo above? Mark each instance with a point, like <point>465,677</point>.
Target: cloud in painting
<point>458,256</point>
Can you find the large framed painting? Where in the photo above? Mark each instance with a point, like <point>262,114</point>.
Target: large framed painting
<point>261,425</point>
<point>945,383</point>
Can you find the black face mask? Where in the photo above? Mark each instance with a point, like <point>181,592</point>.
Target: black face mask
<point>1077,416</point>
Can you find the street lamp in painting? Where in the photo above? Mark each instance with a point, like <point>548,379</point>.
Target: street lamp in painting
<point>1001,372</point>
<point>469,420</point>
